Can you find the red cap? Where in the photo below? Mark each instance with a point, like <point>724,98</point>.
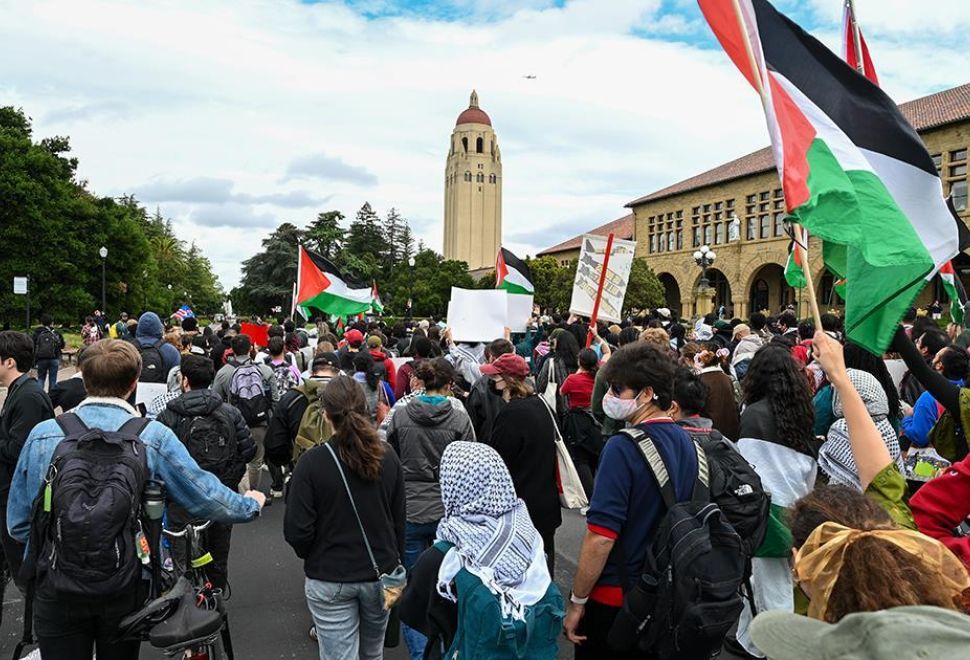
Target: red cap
<point>508,364</point>
<point>354,337</point>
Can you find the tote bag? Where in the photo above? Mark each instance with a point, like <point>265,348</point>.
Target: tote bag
<point>572,495</point>
<point>549,394</point>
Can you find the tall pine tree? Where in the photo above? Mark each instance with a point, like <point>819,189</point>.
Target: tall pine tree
<point>325,235</point>
<point>365,246</point>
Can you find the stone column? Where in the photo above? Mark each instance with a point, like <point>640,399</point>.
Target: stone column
<point>704,299</point>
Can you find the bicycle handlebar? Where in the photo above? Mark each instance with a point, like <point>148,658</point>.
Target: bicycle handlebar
<point>197,528</point>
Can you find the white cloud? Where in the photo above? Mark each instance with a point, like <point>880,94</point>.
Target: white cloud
<point>236,115</point>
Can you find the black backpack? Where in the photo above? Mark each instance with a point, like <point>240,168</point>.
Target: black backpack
<point>735,487</point>
<point>46,345</point>
<point>87,515</point>
<point>152,363</point>
<point>688,595</point>
<point>212,442</point>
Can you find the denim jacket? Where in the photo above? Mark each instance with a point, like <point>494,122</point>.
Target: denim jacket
<point>187,484</point>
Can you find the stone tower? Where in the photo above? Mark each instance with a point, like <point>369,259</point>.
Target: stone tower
<point>473,190</point>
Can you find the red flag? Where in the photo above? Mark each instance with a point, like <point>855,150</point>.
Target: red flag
<point>850,53</point>
<point>259,334</point>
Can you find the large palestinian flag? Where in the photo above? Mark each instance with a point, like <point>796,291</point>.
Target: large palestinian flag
<point>854,172</point>
<point>319,284</point>
<point>512,274</point>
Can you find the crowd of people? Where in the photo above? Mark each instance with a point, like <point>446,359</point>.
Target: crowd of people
<point>760,486</point>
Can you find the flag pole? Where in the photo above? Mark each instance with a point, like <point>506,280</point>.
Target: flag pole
<point>296,285</point>
<point>759,84</point>
<point>856,39</point>
<point>599,291</point>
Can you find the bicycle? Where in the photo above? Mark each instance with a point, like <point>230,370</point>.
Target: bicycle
<point>190,621</point>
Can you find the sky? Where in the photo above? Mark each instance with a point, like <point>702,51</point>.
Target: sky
<point>233,116</point>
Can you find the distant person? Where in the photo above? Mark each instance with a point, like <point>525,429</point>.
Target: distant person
<point>378,393</point>
<point>158,357</point>
<point>119,329</point>
<point>48,344</point>
<point>484,402</point>
<point>90,331</point>
<point>68,393</point>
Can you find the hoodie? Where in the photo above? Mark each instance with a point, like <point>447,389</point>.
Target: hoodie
<point>746,348</point>
<point>149,332</point>
<point>419,435</point>
<point>380,357</point>
<point>205,403</point>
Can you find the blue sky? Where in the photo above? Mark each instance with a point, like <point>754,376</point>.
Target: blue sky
<point>235,115</point>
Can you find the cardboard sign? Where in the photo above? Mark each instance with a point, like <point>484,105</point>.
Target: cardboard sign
<point>587,280</point>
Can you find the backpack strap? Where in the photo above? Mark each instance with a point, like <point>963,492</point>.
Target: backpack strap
<point>71,424</point>
<point>650,453</point>
<point>134,426</point>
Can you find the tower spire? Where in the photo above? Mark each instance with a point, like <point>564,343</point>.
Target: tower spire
<point>473,101</point>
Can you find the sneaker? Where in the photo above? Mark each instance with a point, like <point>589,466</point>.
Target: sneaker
<point>313,633</point>
<point>276,493</point>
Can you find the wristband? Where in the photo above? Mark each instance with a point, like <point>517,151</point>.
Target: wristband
<point>576,600</point>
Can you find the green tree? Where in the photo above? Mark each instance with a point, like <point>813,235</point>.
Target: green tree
<point>325,235</point>
<point>644,290</point>
<point>428,284</point>
<point>365,247</point>
<point>268,276</point>
<point>553,283</point>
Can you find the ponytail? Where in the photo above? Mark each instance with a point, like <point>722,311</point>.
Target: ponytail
<point>354,436</point>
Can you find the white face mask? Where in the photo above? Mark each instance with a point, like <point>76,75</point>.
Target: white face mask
<point>620,409</point>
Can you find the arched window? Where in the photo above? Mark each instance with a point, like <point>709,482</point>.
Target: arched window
<point>479,145</point>
<point>480,177</point>
<point>464,144</point>
<point>468,175</point>
<point>491,178</point>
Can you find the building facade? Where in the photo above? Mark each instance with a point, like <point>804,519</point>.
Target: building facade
<point>738,210</point>
<point>473,190</point>
<point>568,251</point>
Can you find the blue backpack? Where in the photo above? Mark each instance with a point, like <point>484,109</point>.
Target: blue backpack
<point>483,633</point>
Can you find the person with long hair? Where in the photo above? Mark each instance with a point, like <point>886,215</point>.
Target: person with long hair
<point>776,437</point>
<point>335,542</point>
<point>721,407</point>
<point>524,435</point>
<point>378,393</point>
<point>420,433</point>
<point>562,362</point>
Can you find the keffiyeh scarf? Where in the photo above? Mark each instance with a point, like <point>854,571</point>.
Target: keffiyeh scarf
<point>489,526</point>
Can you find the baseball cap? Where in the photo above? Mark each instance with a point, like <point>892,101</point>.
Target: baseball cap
<point>374,341</point>
<point>508,364</point>
<point>354,337</point>
<point>663,313</point>
<point>326,360</point>
<point>917,631</point>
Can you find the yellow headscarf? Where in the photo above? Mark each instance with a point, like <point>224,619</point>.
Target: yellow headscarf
<point>819,561</point>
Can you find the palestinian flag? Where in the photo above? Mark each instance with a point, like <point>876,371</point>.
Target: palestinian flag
<point>512,274</point>
<point>319,284</point>
<point>377,307</point>
<point>854,172</point>
<point>955,292</point>
<point>794,271</point>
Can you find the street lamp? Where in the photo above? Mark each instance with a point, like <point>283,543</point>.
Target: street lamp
<point>704,258</point>
<point>103,253</point>
<point>410,288</point>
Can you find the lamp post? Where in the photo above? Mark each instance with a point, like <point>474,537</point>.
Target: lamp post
<point>410,288</point>
<point>705,259</point>
<point>103,253</point>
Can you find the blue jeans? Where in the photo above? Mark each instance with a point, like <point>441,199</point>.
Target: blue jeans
<point>47,370</point>
<point>418,537</point>
<point>349,617</point>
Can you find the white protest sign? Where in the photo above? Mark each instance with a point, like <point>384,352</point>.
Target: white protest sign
<point>148,392</point>
<point>587,280</point>
<point>520,312</point>
<point>477,315</point>
<point>399,362</point>
<point>897,369</point>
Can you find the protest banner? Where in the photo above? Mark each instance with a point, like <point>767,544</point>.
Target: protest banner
<point>477,315</point>
<point>588,272</point>
<point>519,311</point>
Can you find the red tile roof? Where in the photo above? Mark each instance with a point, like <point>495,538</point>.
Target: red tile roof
<point>621,227</point>
<point>924,113</point>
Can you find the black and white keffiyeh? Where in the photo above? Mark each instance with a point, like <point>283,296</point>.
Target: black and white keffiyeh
<point>835,456</point>
<point>489,526</point>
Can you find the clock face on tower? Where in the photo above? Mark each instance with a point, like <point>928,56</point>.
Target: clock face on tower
<point>473,190</point>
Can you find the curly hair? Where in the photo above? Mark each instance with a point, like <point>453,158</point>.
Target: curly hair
<point>875,574</point>
<point>774,375</point>
<point>641,365</point>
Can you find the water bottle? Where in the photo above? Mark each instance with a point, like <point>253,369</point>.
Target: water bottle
<point>154,499</point>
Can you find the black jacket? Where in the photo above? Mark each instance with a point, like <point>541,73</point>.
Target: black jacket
<point>68,393</point>
<point>321,527</point>
<point>424,610</point>
<point>27,405</point>
<point>203,403</point>
<point>525,437</point>
<point>483,407</point>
